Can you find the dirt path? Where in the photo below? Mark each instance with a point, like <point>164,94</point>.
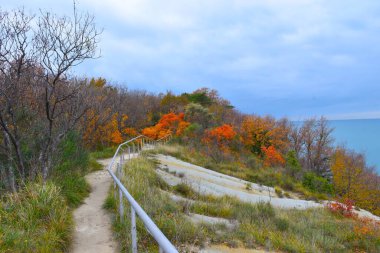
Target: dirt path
<point>93,232</point>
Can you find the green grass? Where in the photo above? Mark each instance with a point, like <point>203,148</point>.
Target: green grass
<point>75,163</point>
<point>39,217</point>
<point>73,187</point>
<point>93,164</point>
<point>103,153</point>
<point>260,225</point>
<point>36,219</point>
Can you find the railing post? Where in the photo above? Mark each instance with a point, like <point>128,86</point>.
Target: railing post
<point>133,230</point>
<point>121,166</point>
<point>114,190</point>
<point>118,175</point>
<point>161,250</point>
<point>129,152</point>
<point>121,205</point>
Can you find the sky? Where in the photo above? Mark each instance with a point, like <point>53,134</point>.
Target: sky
<point>287,58</point>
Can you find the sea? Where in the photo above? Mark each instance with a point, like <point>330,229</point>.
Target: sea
<point>361,135</point>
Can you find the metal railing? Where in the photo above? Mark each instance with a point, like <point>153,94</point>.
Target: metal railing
<point>130,149</point>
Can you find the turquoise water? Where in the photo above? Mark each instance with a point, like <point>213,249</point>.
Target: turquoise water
<point>360,135</point>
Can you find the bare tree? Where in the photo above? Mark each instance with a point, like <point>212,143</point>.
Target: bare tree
<point>16,65</point>
<point>62,43</point>
<point>38,98</point>
<point>312,143</point>
<point>296,140</point>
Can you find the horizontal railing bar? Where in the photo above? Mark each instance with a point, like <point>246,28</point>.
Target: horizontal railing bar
<point>161,239</point>
<point>164,244</point>
<point>124,143</point>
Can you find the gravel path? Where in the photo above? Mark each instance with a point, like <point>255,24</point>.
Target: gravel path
<point>93,231</point>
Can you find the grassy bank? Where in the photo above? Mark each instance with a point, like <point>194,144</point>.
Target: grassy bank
<point>260,225</point>
<point>38,218</point>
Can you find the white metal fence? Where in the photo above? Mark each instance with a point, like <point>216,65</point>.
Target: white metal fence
<point>128,150</point>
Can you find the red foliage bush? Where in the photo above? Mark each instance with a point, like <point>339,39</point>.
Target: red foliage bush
<point>345,209</point>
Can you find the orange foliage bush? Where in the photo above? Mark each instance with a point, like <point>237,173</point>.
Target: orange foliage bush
<point>129,131</point>
<point>220,136</point>
<point>222,133</point>
<point>272,157</point>
<point>367,227</point>
<point>170,123</point>
<point>116,137</point>
<point>257,132</point>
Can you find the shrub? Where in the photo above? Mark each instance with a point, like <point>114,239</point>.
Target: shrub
<point>278,191</point>
<point>281,224</point>
<point>345,209</point>
<point>249,213</point>
<point>293,166</point>
<point>184,189</point>
<point>316,183</point>
<point>287,184</point>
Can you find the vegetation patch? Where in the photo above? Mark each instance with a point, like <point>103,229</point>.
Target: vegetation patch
<point>103,153</point>
<point>270,176</point>
<point>36,219</point>
<point>259,225</point>
<point>144,185</point>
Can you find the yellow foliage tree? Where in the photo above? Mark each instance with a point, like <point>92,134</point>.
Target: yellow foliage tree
<point>352,180</point>
<point>102,130</point>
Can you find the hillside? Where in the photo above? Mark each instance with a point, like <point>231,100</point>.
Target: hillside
<point>55,126</point>
<point>200,217</point>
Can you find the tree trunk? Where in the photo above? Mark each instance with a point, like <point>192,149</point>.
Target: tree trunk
<point>11,179</point>
<point>44,165</point>
<point>9,169</point>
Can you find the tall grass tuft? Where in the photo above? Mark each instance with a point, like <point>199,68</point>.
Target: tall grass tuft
<point>36,219</point>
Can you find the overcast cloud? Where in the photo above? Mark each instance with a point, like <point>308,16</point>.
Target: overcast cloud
<point>287,58</point>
